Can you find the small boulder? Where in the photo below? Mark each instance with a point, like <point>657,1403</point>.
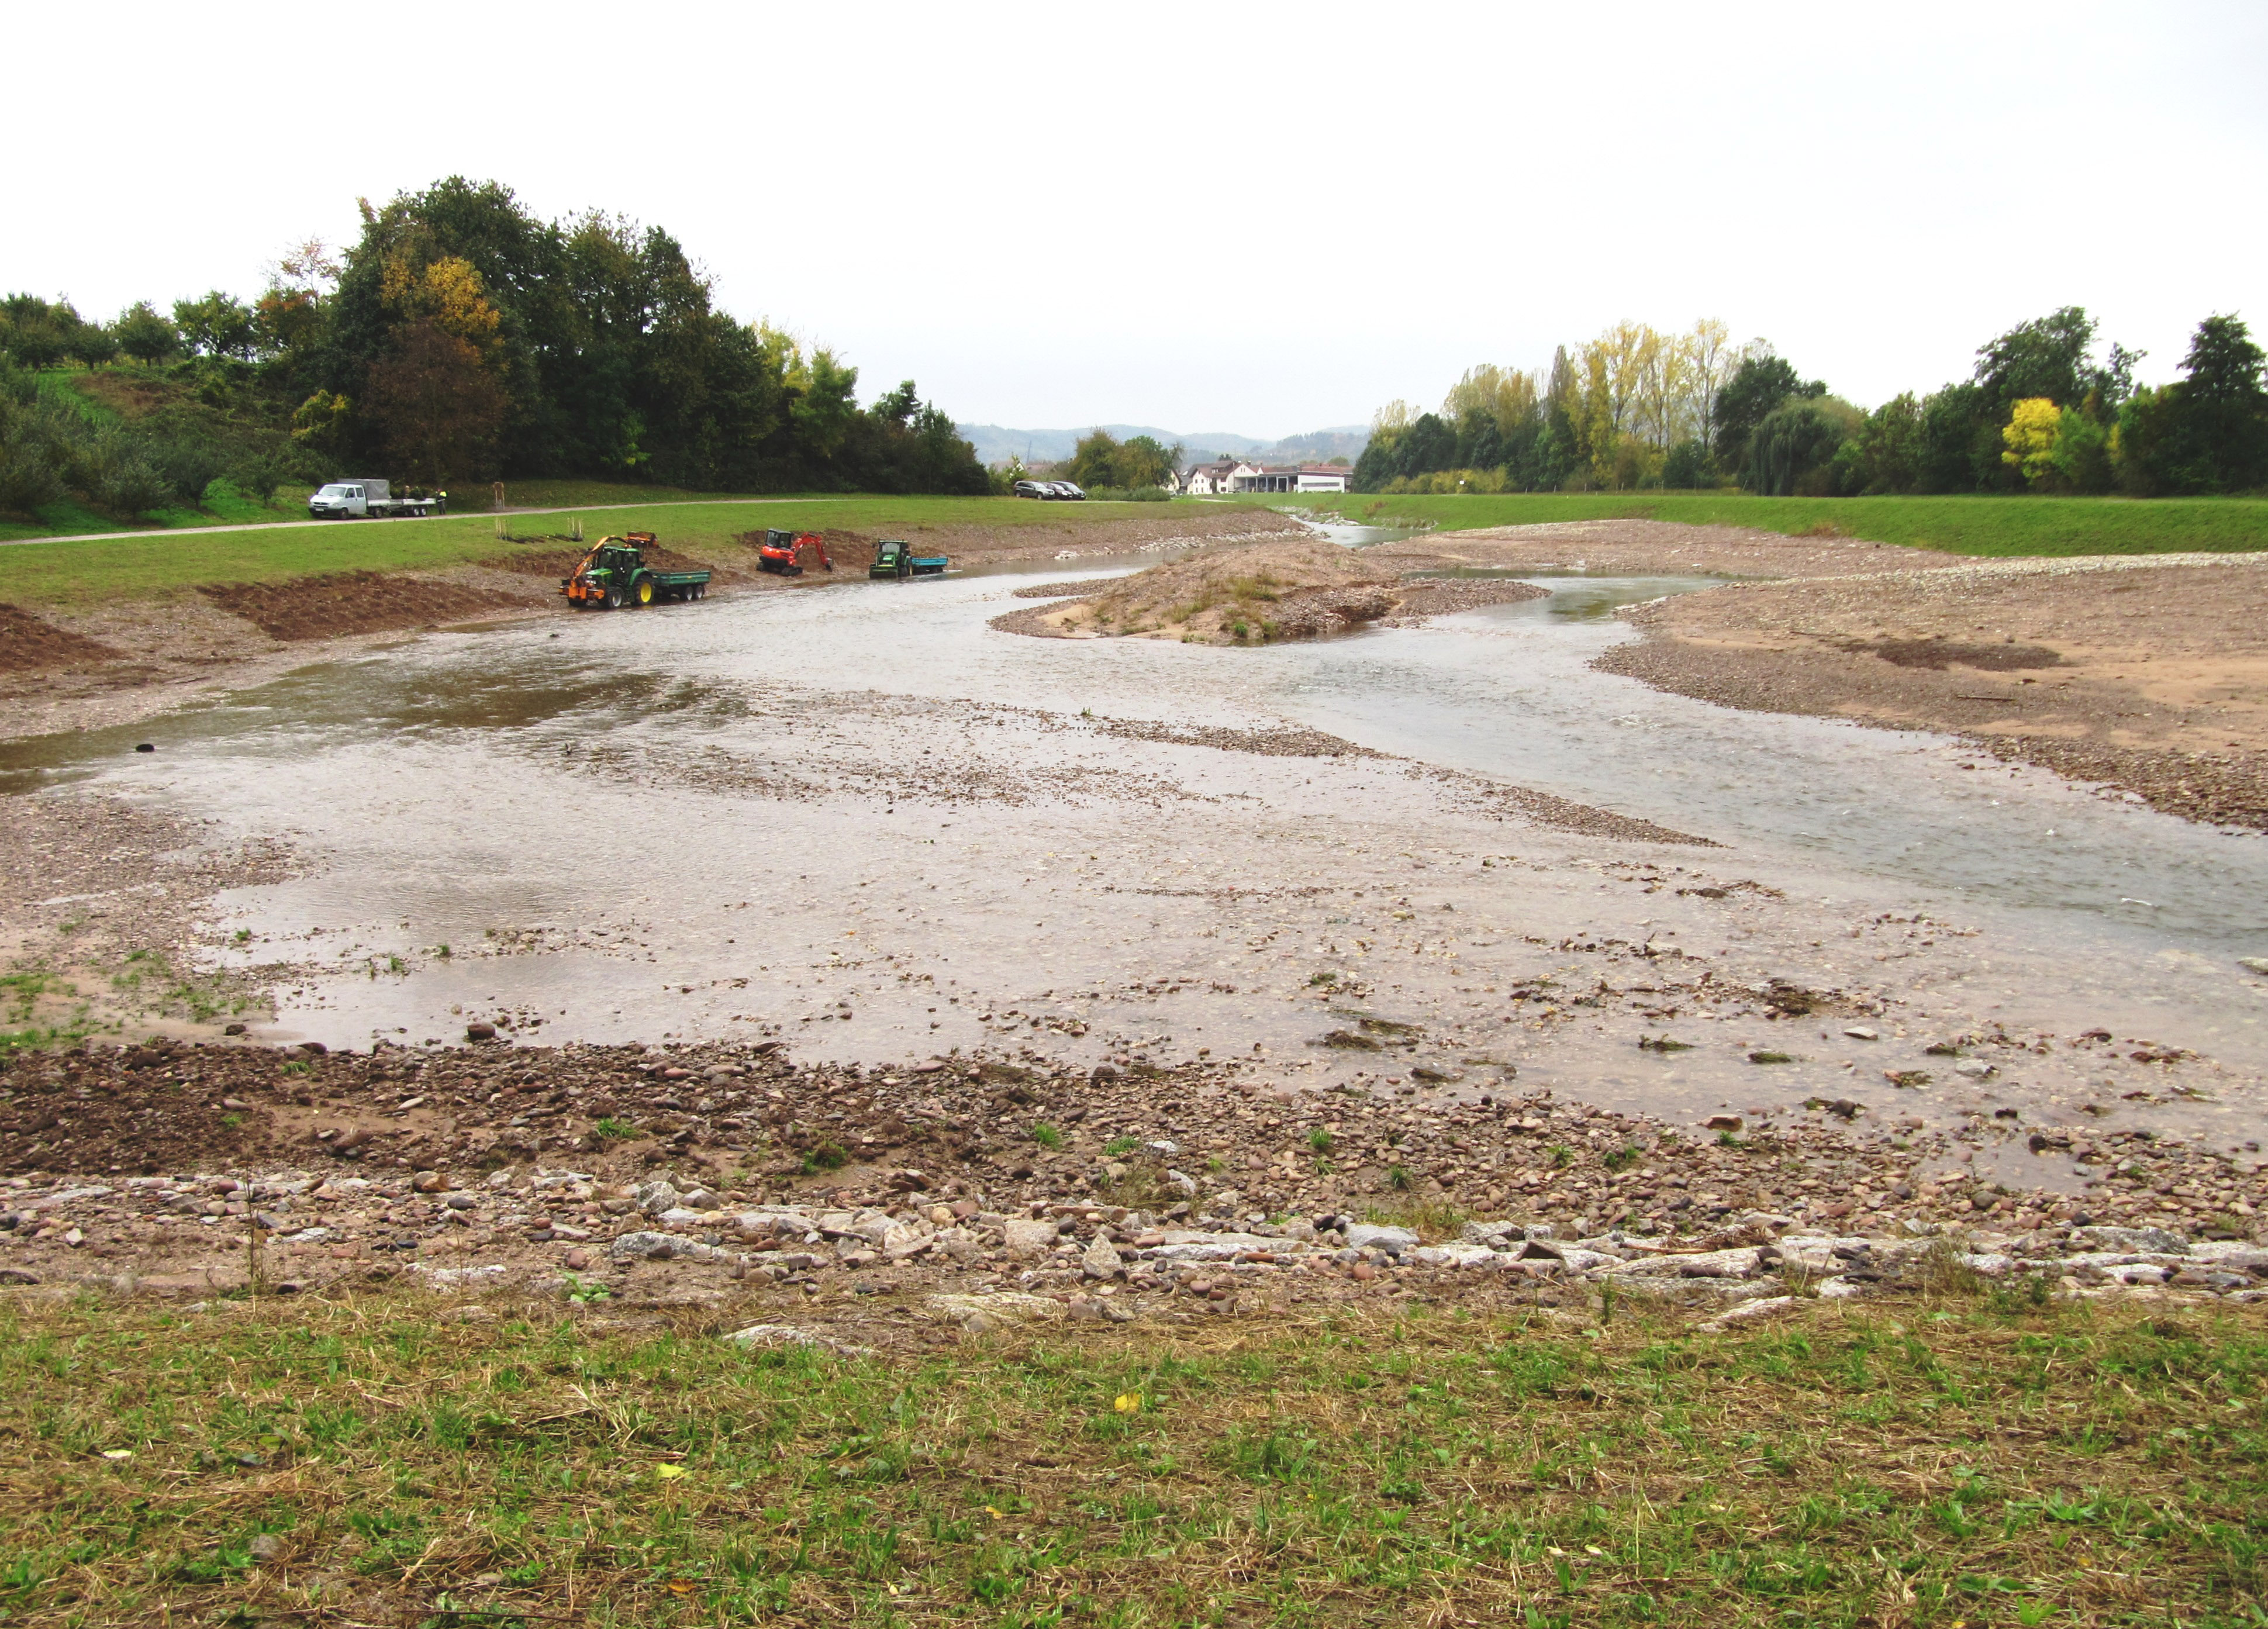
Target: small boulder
<point>1373,1235</point>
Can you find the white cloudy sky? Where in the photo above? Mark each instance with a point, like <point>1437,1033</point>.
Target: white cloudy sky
<point>1255,218</point>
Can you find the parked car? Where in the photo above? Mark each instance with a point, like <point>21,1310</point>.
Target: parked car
<point>1032,489</point>
<point>1069,491</point>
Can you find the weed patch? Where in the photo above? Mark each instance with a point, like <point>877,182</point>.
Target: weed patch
<point>275,1462</point>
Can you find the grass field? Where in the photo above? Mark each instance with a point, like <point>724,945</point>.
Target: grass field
<point>1969,525</point>
<point>159,562</point>
<point>374,1460</point>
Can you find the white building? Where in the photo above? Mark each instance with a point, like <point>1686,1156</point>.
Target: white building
<point>1248,477</point>
<point>1229,474</point>
<point>1207,480</point>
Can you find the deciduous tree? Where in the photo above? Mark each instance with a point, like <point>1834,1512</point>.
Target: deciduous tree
<point>2217,436</point>
<point>436,405</point>
<point>2030,432</point>
<point>1760,384</point>
<point>146,336</point>
<point>217,325</point>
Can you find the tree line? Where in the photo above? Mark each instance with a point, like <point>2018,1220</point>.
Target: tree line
<point>2043,410</point>
<point>1139,467</point>
<point>460,339</point>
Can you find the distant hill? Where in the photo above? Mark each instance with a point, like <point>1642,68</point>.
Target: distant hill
<point>995,443</point>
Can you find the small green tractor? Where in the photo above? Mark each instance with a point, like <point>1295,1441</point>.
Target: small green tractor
<point>894,558</point>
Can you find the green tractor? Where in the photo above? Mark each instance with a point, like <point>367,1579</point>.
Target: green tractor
<point>614,574</point>
<point>894,558</point>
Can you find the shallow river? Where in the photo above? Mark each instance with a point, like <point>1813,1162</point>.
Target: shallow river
<point>448,785</point>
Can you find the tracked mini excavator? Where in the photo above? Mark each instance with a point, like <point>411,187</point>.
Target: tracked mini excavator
<point>780,551</point>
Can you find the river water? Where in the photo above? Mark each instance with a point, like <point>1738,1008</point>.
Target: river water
<point>456,788</point>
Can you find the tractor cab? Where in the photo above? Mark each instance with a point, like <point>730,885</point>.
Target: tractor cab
<point>614,557</point>
<point>610,573</point>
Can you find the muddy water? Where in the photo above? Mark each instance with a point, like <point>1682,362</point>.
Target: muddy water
<point>1507,690</point>
<point>863,822</point>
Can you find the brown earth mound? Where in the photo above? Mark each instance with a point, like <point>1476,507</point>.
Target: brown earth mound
<point>1268,591</point>
<point>1292,589</point>
<point>26,643</point>
<point>349,602</point>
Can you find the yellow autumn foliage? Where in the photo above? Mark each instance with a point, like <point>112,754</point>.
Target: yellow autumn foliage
<point>446,293</point>
<point>2030,433</point>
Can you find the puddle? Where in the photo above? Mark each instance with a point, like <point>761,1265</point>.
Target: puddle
<point>1355,536</point>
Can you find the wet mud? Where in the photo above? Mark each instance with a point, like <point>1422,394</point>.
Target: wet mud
<point>1422,874</point>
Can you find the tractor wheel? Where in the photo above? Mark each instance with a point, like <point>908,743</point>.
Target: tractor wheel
<point>613,597</point>
<point>645,591</point>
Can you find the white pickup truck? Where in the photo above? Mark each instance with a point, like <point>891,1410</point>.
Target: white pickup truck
<point>364,498</point>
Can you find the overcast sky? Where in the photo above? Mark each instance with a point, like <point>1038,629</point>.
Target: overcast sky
<point>1259,218</point>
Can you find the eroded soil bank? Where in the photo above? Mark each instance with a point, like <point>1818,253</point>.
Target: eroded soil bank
<point>2147,676</point>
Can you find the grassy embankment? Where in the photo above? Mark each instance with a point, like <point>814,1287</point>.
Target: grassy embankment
<point>158,562</point>
<point>2008,525</point>
<point>1948,1462</point>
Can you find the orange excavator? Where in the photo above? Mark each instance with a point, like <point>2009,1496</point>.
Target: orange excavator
<point>779,552</point>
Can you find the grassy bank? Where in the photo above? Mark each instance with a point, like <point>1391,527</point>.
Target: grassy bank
<point>1970,526</point>
<point>226,508</point>
<point>376,1461</point>
<point>160,561</point>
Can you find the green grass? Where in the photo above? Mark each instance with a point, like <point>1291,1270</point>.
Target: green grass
<point>161,561</point>
<point>2013,524</point>
<point>1924,1463</point>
